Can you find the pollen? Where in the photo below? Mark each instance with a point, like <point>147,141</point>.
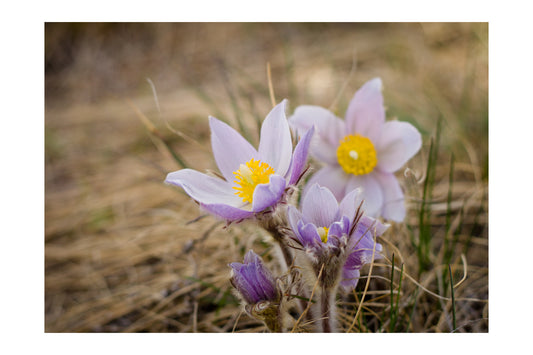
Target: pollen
<point>249,175</point>
<point>356,155</point>
<point>323,233</point>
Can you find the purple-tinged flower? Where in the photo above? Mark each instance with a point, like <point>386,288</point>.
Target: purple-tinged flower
<point>361,250</point>
<point>254,180</point>
<point>338,236</point>
<point>361,151</point>
<point>253,280</point>
<point>259,289</point>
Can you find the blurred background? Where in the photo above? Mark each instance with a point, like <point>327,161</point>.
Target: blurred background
<point>126,103</point>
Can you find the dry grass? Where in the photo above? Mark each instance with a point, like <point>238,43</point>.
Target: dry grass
<point>120,253</point>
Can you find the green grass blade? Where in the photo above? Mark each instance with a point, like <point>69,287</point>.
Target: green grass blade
<point>425,212</point>
<point>448,249</point>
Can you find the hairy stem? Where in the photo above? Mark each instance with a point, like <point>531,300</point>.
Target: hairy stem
<point>275,227</point>
<point>278,237</point>
<point>327,305</point>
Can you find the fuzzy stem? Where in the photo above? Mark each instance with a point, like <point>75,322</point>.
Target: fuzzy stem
<point>327,305</point>
<point>287,255</point>
<point>326,326</point>
<point>273,228</point>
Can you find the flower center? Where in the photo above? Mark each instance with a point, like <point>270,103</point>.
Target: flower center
<point>356,155</point>
<point>323,233</point>
<point>249,176</point>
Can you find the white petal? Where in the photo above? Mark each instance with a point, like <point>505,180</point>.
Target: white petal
<point>329,130</point>
<point>329,127</point>
<point>371,192</point>
<point>351,203</point>
<point>299,157</point>
<point>393,198</point>
<point>229,148</point>
<point>365,114</point>
<point>294,216</point>
<point>275,145</point>
<point>268,195</point>
<point>332,177</point>
<point>204,188</point>
<point>319,206</point>
<point>399,142</point>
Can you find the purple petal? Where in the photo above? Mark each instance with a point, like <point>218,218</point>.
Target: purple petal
<point>362,255</point>
<point>251,257</point>
<point>204,188</point>
<point>242,282</point>
<point>362,242</point>
<point>339,228</point>
<point>351,203</point>
<point>393,199</point>
<point>229,148</point>
<point>260,277</point>
<point>265,281</point>
<point>294,217</point>
<point>275,145</point>
<point>365,114</point>
<point>371,226</point>
<point>329,128</point>
<point>249,285</point>
<point>267,195</point>
<point>308,234</point>
<point>227,212</point>
<point>371,192</point>
<point>350,277</point>
<point>299,157</point>
<point>332,177</point>
<point>398,142</point>
<point>319,206</point>
<point>248,279</point>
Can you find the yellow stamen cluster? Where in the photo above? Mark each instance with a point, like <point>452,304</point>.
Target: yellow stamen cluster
<point>249,176</point>
<point>323,233</point>
<point>356,155</point>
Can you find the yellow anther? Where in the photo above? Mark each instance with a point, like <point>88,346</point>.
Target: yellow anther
<point>356,155</point>
<point>249,176</point>
<point>323,233</point>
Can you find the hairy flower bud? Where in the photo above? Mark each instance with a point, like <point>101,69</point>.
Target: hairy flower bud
<point>259,291</point>
<point>253,280</point>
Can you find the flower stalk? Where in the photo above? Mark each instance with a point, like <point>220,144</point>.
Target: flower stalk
<point>327,304</point>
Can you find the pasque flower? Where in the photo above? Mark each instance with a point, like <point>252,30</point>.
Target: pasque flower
<point>337,239</point>
<point>253,280</point>
<point>254,180</point>
<point>361,151</point>
<point>258,288</point>
<point>338,236</point>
